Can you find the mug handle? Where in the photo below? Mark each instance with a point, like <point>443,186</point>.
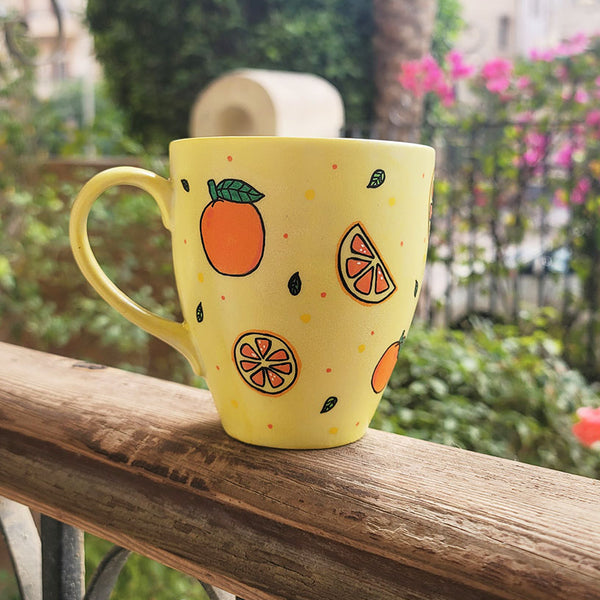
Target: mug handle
<point>173,333</point>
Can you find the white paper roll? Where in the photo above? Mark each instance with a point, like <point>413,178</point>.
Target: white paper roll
<point>262,102</point>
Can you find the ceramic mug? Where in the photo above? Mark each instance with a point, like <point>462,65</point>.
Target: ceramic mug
<point>298,264</point>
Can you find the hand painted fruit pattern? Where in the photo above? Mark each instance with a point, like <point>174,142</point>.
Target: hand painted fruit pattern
<point>233,237</point>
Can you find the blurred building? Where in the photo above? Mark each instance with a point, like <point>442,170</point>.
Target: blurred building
<point>512,28</point>
<point>65,47</point>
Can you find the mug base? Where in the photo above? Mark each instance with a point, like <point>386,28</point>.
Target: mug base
<point>332,439</point>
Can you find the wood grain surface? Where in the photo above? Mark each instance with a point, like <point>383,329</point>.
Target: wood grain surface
<point>145,463</point>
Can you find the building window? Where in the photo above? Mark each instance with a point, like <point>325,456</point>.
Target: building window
<point>504,33</point>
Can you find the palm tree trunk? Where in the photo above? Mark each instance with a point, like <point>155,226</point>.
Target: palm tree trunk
<point>403,31</point>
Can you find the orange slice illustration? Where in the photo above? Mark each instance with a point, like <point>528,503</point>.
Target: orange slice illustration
<point>266,362</point>
<point>361,269</point>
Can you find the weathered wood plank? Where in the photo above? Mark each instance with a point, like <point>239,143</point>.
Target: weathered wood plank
<point>145,464</point>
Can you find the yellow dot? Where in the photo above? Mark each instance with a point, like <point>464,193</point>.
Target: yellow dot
<point>305,318</point>
<point>200,277</point>
<point>333,430</point>
<point>309,194</point>
<point>361,348</point>
<point>234,403</point>
<point>392,201</point>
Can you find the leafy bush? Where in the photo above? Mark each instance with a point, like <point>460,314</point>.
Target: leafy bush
<point>490,390</point>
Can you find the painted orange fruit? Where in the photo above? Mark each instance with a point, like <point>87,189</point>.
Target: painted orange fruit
<point>385,366</point>
<point>232,229</point>
<point>266,362</point>
<point>361,269</point>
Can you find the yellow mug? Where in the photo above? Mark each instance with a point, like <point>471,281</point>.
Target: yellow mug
<point>298,265</point>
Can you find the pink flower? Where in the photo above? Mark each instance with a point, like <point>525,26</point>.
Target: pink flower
<point>426,75</point>
<point>593,118</point>
<point>458,68</point>
<point>536,148</point>
<point>577,44</point>
<point>496,73</point>
<point>523,82</point>
<point>564,156</point>
<point>542,55</point>
<point>581,96</point>
<point>587,429</point>
<point>580,191</point>
<point>411,77</point>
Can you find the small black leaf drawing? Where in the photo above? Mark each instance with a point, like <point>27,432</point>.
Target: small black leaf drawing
<point>185,184</point>
<point>199,313</point>
<point>295,284</point>
<point>329,404</point>
<point>377,178</point>
<point>416,288</point>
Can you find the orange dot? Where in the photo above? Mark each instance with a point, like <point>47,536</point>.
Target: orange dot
<point>218,368</point>
<point>285,236</point>
<point>309,194</point>
<point>357,423</point>
<point>423,176</point>
<point>230,158</point>
<point>402,243</point>
<point>305,318</point>
<point>334,166</point>
<point>333,430</point>
<point>185,241</point>
<point>270,425</point>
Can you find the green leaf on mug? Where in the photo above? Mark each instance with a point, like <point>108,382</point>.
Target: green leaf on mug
<point>416,288</point>
<point>295,284</point>
<point>199,313</point>
<point>234,190</point>
<point>377,178</point>
<point>329,404</point>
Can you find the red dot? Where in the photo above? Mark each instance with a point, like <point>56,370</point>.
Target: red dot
<point>423,175</point>
<point>230,158</point>
<point>334,167</point>
<point>218,368</point>
<point>185,241</point>
<point>285,235</point>
<point>222,297</point>
<point>402,243</point>
<point>372,333</point>
<point>270,425</point>
<point>323,294</point>
<point>357,422</point>
<point>327,370</point>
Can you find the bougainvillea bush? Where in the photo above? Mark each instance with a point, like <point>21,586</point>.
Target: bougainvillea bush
<point>519,140</point>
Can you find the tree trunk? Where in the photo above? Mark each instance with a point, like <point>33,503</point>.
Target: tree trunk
<point>403,31</point>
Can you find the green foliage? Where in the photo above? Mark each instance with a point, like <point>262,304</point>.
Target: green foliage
<point>142,577</point>
<point>63,131</point>
<point>158,55</point>
<point>491,390</point>
<point>448,24</point>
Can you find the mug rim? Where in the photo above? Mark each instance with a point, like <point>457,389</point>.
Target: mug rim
<point>298,139</point>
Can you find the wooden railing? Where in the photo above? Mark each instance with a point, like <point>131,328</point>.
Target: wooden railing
<point>144,463</point>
